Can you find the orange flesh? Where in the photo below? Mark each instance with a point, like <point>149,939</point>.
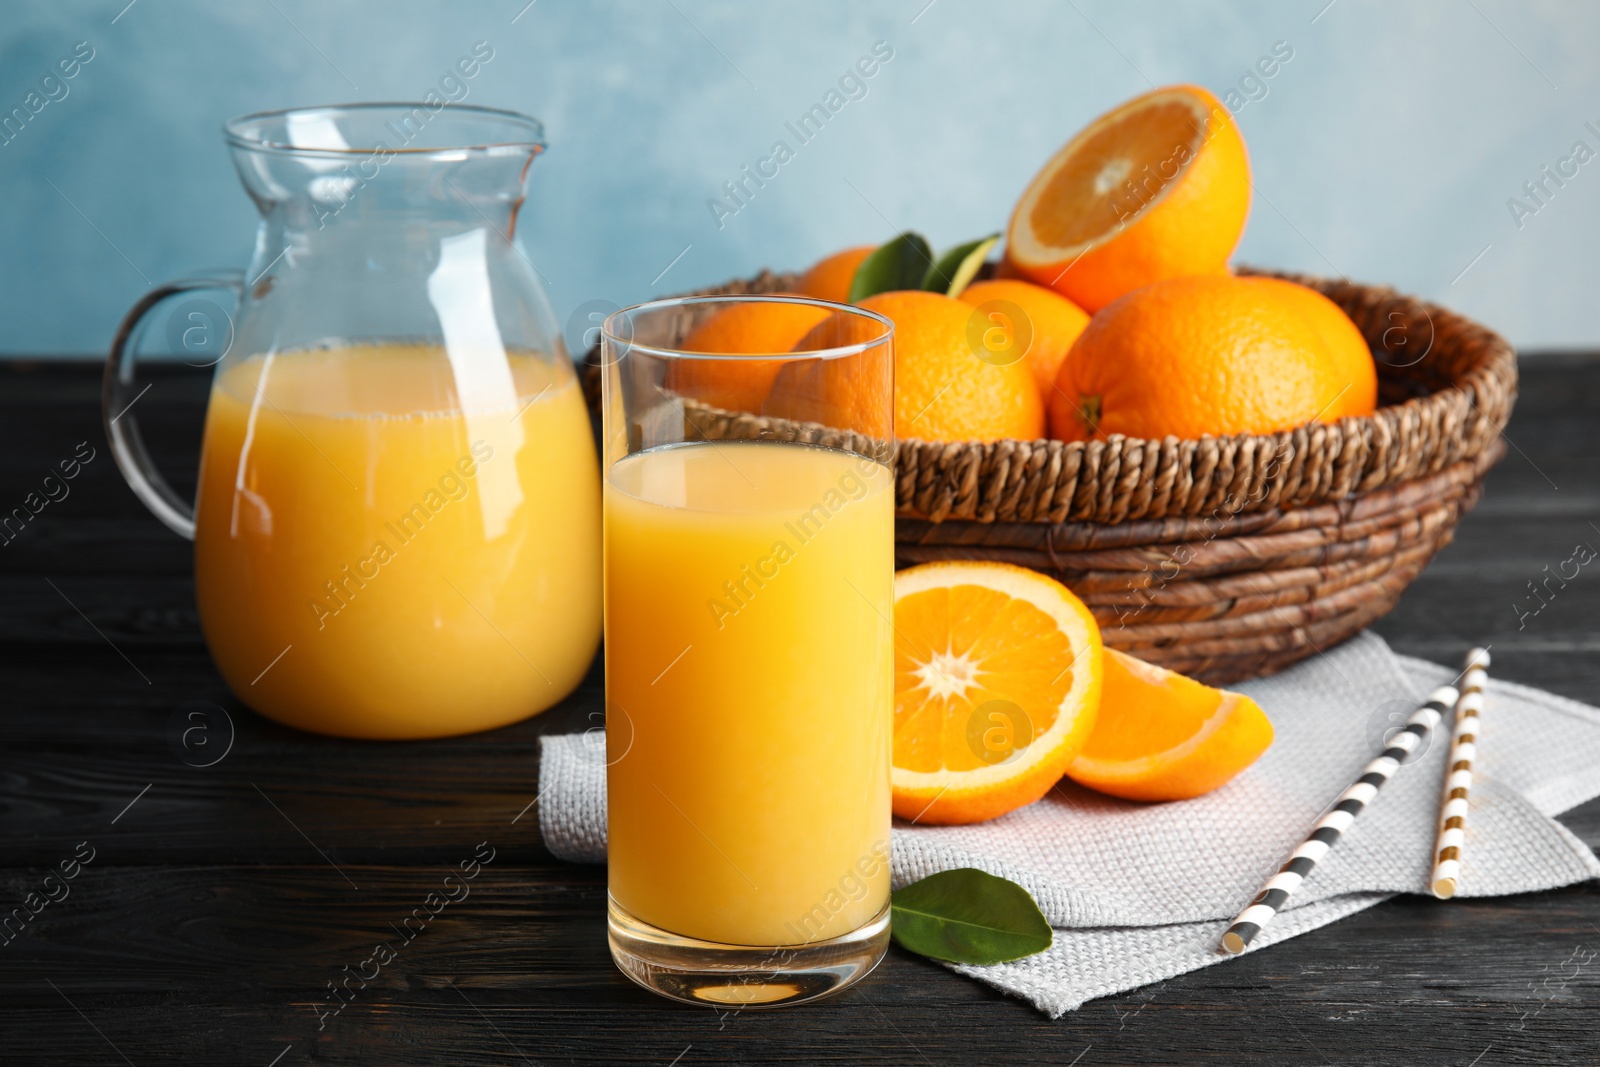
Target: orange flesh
<point>1147,710</point>
<point>1161,736</point>
<point>1001,647</point>
<point>1089,195</point>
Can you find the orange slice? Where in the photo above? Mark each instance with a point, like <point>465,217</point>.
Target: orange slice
<point>1162,736</point>
<point>997,679</point>
<point>1156,188</point>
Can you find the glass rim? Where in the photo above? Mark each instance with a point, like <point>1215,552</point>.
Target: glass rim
<point>607,333</point>
<point>242,131</point>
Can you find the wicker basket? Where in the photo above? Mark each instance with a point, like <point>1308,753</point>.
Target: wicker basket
<point>1225,557</point>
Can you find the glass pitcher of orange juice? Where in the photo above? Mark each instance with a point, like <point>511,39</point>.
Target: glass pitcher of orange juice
<point>397,526</point>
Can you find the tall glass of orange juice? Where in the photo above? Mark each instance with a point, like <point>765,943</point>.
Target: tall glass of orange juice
<point>397,527</point>
<point>749,573</point>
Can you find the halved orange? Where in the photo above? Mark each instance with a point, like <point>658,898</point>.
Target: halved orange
<point>997,679</point>
<point>1156,188</point>
<point>1162,736</point>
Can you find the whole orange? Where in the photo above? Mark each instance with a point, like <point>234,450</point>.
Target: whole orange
<point>1345,346</point>
<point>946,386</point>
<point>1156,188</point>
<point>852,391</point>
<point>767,327</point>
<point>1046,328</point>
<point>1208,354</point>
<point>830,278</point>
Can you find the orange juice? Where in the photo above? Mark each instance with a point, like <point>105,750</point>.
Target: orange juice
<point>749,591</point>
<point>392,542</point>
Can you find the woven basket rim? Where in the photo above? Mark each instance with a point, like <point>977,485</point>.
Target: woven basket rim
<point>1463,385</point>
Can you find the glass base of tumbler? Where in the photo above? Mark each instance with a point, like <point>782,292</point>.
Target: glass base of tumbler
<point>739,976</point>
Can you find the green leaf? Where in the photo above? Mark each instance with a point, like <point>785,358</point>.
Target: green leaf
<point>956,268</point>
<point>968,916</point>
<point>897,264</point>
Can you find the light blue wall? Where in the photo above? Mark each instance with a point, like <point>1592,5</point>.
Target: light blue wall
<point>1386,149</point>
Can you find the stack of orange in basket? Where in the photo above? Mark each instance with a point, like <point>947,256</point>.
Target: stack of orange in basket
<point>1111,315</point>
<point>1115,311</point>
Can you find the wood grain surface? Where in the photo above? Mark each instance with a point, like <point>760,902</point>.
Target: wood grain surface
<point>222,901</point>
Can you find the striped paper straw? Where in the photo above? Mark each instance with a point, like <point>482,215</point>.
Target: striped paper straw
<point>1458,780</point>
<point>1330,826</point>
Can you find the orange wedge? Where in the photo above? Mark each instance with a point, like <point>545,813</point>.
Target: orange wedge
<point>997,679</point>
<point>1156,188</point>
<point>1162,736</point>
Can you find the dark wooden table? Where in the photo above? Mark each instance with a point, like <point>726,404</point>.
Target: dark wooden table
<point>221,901</point>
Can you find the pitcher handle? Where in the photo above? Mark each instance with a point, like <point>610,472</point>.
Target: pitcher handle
<point>117,397</point>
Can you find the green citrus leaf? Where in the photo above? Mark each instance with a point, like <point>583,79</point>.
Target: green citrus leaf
<point>898,264</point>
<point>968,916</point>
<point>955,269</point>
